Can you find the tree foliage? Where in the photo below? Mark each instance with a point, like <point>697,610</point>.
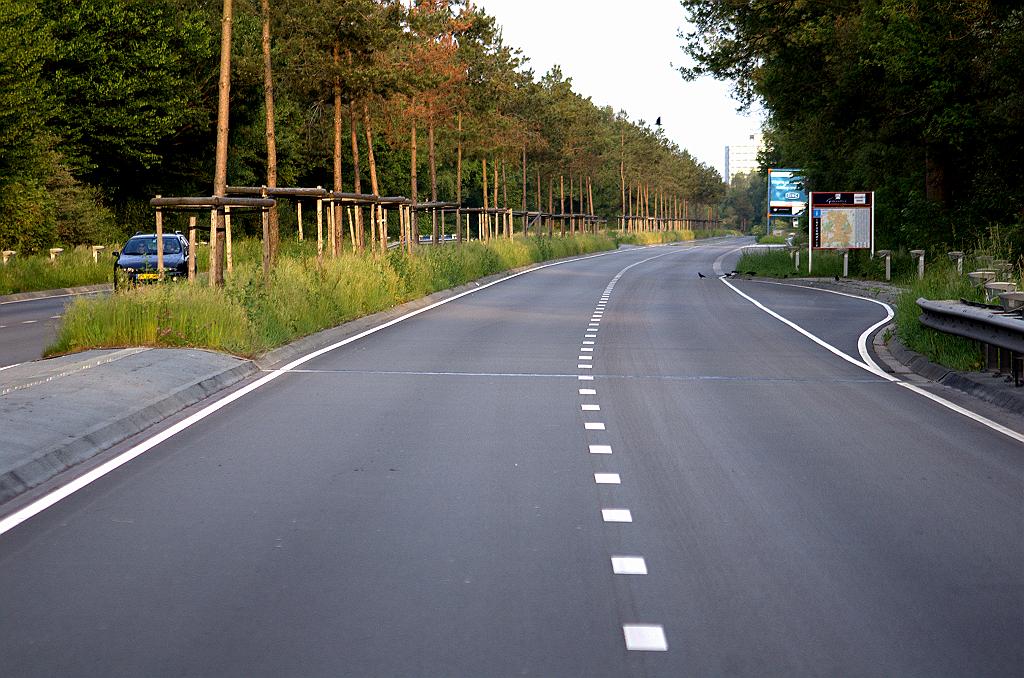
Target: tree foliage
<point>104,103</point>
<point>920,100</point>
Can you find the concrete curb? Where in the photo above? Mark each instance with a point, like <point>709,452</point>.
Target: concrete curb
<point>61,292</point>
<point>105,435</point>
<point>972,383</point>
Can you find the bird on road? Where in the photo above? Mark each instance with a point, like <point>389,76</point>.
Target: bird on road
<point>700,275</point>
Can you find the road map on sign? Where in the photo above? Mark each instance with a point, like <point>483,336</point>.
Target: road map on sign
<point>843,227</point>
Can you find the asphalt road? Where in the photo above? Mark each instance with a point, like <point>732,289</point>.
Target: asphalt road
<point>439,499</point>
<point>28,327</point>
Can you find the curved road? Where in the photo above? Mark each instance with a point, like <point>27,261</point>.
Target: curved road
<point>609,467</point>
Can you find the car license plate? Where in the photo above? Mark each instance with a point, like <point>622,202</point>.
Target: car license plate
<point>149,276</point>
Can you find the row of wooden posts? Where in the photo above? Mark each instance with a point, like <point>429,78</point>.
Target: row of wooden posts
<point>370,209</point>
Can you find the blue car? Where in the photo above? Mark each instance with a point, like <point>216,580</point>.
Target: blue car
<point>137,259</point>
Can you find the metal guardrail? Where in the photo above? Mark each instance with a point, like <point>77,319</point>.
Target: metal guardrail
<point>1001,334</point>
<point>980,324</point>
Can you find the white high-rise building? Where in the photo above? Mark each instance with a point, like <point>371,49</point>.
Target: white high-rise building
<point>742,158</point>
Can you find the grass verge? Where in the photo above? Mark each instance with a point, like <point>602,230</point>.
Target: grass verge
<point>71,269</point>
<point>303,296</point>
<point>940,282</point>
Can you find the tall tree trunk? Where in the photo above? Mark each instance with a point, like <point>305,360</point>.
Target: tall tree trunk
<point>622,177</point>
<point>572,207</point>
<point>484,225</point>
<point>336,231</point>
<point>458,187</point>
<point>379,228</point>
<point>410,236</point>
<point>268,96</point>
<point>220,175</point>
<point>551,206</point>
<point>435,234</point>
<point>357,181</point>
<point>504,199</point>
<point>494,164</point>
<point>561,209</point>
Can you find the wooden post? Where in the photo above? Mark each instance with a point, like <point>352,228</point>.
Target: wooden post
<point>227,240</point>
<point>192,249</point>
<point>298,207</point>
<point>561,209</point>
<point>214,218</point>
<point>265,221</point>
<point>351,229</point>
<point>160,242</point>
<point>319,227</point>
<point>330,228</point>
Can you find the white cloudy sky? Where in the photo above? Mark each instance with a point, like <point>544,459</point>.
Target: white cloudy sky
<point>621,54</point>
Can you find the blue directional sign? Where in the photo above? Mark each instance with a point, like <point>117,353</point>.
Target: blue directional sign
<point>786,189</point>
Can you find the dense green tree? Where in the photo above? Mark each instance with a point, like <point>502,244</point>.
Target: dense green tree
<point>922,101</point>
<point>123,75</point>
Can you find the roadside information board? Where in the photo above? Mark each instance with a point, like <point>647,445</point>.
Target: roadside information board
<point>842,220</point>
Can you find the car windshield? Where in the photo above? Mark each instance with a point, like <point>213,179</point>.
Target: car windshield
<point>147,245</point>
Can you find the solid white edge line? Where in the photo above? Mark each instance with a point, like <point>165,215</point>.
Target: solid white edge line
<point>872,367</point>
<point>56,296</point>
<point>46,501</point>
<point>7,367</point>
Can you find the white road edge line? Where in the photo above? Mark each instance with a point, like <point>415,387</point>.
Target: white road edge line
<point>871,366</point>
<point>46,501</point>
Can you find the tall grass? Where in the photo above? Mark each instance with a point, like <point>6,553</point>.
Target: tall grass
<point>780,264</point>
<point>71,269</point>
<point>941,282</point>
<point>303,295</point>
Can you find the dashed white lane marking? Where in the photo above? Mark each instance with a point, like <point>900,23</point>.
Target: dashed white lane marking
<point>587,349</point>
<point>584,377</point>
<point>593,426</point>
<point>593,328</point>
<point>28,322</point>
<point>628,565</point>
<point>585,367</point>
<point>588,391</point>
<point>590,408</point>
<point>616,515</point>
<point>607,478</point>
<point>7,367</point>
<point>585,357</point>
<point>588,343</point>
<point>56,317</point>
<point>645,637</point>
<point>600,449</point>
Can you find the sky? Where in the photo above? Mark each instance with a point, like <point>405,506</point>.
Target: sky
<point>621,54</point>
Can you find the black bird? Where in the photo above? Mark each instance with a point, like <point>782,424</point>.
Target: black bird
<point>836,278</point>
<point>700,275</point>
<point>658,121</point>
